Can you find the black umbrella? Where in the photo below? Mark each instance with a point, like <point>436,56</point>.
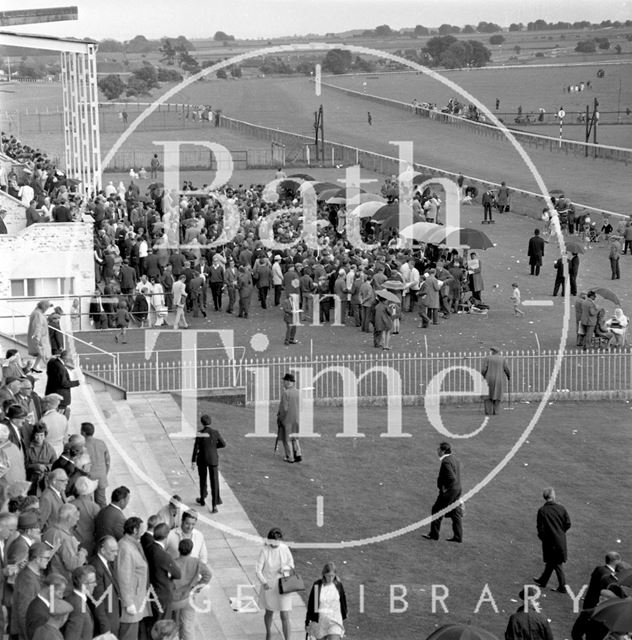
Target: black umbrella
<point>607,295</point>
<point>574,247</point>
<point>460,632</point>
<point>615,613</point>
<point>302,176</point>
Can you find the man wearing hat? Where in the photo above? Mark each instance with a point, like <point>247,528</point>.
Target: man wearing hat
<point>15,422</point>
<point>29,530</point>
<point>287,419</point>
<point>494,370</point>
<point>527,623</point>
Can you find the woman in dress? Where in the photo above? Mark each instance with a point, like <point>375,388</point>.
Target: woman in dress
<point>275,561</point>
<point>327,606</point>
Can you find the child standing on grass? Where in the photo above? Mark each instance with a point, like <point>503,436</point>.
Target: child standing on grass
<point>516,299</point>
<point>123,318</point>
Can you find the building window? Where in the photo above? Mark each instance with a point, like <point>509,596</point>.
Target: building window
<point>42,287</point>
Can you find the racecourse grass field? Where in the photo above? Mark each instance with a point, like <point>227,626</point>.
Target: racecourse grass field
<point>372,486</point>
<point>289,103</point>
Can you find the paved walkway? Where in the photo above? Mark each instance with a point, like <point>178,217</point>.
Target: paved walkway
<point>155,466</point>
<point>141,426</point>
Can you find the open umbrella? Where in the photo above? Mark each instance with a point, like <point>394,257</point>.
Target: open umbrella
<point>387,295</point>
<point>422,177</point>
<point>607,295</point>
<point>625,577</point>
<point>366,209</point>
<point>615,613</point>
<point>385,211</point>
<point>289,185</point>
<point>319,187</point>
<point>365,197</point>
<point>574,247</point>
<point>336,200</point>
<point>419,231</point>
<point>460,632</point>
<point>557,192</point>
<point>323,196</point>
<point>465,237</point>
<point>394,222</point>
<point>394,285</point>
<point>438,236</point>
<point>302,176</point>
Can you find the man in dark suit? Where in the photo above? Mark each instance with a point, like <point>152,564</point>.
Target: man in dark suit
<point>107,614</point>
<point>17,425</point>
<point>162,571</point>
<point>110,520</point>
<point>535,252</point>
<point>38,612</point>
<point>147,539</point>
<point>205,457</point>
<point>58,380</point>
<point>602,577</point>
<point>449,484</point>
<point>553,522</point>
<point>80,624</point>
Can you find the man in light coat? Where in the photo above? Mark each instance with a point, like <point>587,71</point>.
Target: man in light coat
<point>133,576</point>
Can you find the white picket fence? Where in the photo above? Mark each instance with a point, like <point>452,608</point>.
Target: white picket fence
<point>372,377</point>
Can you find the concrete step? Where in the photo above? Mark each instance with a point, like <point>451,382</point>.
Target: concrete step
<point>232,558</point>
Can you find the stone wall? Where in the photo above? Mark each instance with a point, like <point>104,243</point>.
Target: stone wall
<point>48,250</point>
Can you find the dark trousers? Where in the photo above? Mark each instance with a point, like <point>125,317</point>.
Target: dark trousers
<point>491,406</point>
<point>456,515</point>
<point>423,316</point>
<point>216,292</point>
<point>628,244</point>
<point>213,475</point>
<point>487,212</point>
<point>356,311</point>
<point>290,333</point>
<point>377,338</point>
<point>573,283</point>
<point>559,282</point>
<point>244,306</point>
<point>535,269</point>
<point>365,319</point>
<point>231,299</point>
<point>614,268</point>
<point>549,568</point>
<point>263,296</point>
<point>433,314</point>
<point>278,289</point>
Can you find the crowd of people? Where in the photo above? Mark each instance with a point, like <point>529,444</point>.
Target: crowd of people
<point>73,565</point>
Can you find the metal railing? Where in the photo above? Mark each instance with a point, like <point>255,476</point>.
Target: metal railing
<point>70,341</point>
<point>336,378</point>
<point>545,142</point>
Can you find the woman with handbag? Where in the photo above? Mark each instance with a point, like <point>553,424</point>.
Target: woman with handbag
<point>327,606</point>
<point>275,561</point>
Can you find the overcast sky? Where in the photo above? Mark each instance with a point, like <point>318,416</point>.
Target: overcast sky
<point>123,19</point>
